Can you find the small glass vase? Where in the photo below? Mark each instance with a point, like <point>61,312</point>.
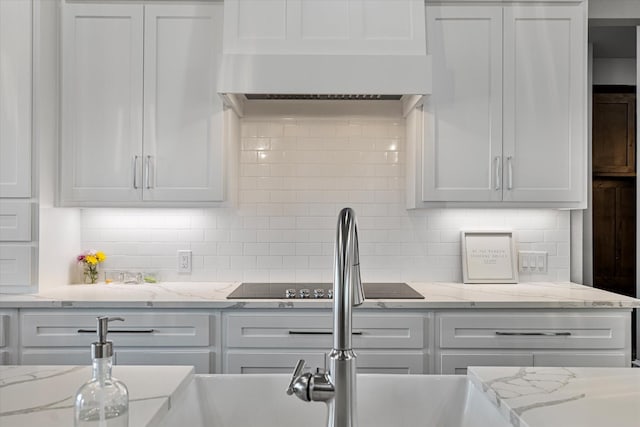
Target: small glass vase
<point>90,274</point>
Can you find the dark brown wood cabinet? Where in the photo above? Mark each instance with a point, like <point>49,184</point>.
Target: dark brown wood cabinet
<point>614,116</point>
<point>614,246</point>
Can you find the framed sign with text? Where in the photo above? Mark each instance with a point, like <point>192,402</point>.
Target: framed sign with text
<point>489,257</point>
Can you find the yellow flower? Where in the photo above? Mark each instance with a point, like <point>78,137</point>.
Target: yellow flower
<point>100,256</point>
<point>91,259</point>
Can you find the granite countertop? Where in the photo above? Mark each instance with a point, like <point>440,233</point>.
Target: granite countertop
<point>562,397</point>
<point>213,295</point>
<point>43,395</point>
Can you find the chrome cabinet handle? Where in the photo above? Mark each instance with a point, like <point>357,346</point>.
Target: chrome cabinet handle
<point>135,172</point>
<point>510,173</point>
<point>318,333</point>
<point>498,178</point>
<point>119,331</point>
<point>296,373</point>
<point>147,165</point>
<point>534,334</point>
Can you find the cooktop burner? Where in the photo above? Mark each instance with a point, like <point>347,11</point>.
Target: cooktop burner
<point>319,291</point>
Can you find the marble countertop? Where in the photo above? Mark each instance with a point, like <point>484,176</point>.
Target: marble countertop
<point>213,295</point>
<point>43,395</point>
<point>562,397</point>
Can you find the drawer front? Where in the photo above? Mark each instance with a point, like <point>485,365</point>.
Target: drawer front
<point>315,331</point>
<point>533,331</point>
<point>456,364</point>
<point>370,362</point>
<point>201,360</point>
<point>587,360</point>
<point>56,357</point>
<point>15,265</point>
<point>153,329</point>
<point>15,222</point>
<point>280,362</point>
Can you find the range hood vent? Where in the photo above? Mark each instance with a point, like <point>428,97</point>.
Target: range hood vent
<point>318,97</point>
<point>324,50</point>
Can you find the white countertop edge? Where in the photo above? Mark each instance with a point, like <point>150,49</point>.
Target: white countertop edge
<point>533,396</point>
<point>438,295</point>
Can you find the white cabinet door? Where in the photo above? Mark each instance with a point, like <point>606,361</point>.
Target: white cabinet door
<point>101,158</point>
<point>507,118</point>
<point>15,98</point>
<point>182,111</point>
<point>463,116</point>
<point>544,103</point>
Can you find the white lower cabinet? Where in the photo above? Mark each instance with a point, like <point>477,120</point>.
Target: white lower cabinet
<point>272,341</point>
<point>267,342</point>
<point>532,338</point>
<point>146,337</point>
<point>8,337</point>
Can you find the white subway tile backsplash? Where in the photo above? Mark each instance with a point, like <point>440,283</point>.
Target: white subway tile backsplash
<point>295,175</point>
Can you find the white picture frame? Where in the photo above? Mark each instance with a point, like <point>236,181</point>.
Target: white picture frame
<point>489,256</point>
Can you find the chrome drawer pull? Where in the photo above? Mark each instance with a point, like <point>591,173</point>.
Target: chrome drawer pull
<point>119,331</point>
<point>535,334</point>
<point>317,333</point>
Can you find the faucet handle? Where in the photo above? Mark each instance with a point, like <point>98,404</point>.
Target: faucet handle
<point>296,373</point>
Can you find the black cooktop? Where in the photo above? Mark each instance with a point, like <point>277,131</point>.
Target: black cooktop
<point>319,291</point>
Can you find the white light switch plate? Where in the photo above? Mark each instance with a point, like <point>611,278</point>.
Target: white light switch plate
<point>532,261</point>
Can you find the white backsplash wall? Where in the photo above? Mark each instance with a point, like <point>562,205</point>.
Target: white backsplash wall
<point>295,176</point>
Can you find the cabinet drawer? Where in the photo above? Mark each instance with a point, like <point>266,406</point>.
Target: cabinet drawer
<point>75,356</point>
<point>281,362</point>
<point>199,359</point>
<point>533,330</point>
<point>15,222</point>
<point>315,331</point>
<point>77,329</point>
<point>596,359</point>
<point>15,265</point>
<point>457,364</point>
<point>368,362</point>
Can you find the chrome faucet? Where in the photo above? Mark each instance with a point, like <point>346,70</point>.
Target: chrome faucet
<point>337,388</point>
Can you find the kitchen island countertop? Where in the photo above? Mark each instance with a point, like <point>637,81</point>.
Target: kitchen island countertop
<point>562,397</point>
<point>213,295</point>
<point>526,396</point>
<point>43,395</point>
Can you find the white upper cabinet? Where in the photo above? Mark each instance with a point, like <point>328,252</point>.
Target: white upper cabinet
<point>15,98</point>
<point>182,111</point>
<point>507,118</point>
<point>102,104</point>
<point>141,117</point>
<point>544,119</point>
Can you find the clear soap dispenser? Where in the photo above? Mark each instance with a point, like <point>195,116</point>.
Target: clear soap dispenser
<point>103,401</point>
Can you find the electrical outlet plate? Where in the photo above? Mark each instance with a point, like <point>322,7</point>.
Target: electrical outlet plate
<point>532,261</point>
<point>184,261</point>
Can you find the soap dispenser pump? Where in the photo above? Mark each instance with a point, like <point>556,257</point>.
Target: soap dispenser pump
<point>103,401</point>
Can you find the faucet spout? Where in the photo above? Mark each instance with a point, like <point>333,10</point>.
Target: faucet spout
<point>347,285</point>
<point>338,386</point>
<point>347,293</point>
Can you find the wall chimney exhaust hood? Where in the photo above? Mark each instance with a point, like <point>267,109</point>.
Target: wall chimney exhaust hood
<point>324,50</point>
